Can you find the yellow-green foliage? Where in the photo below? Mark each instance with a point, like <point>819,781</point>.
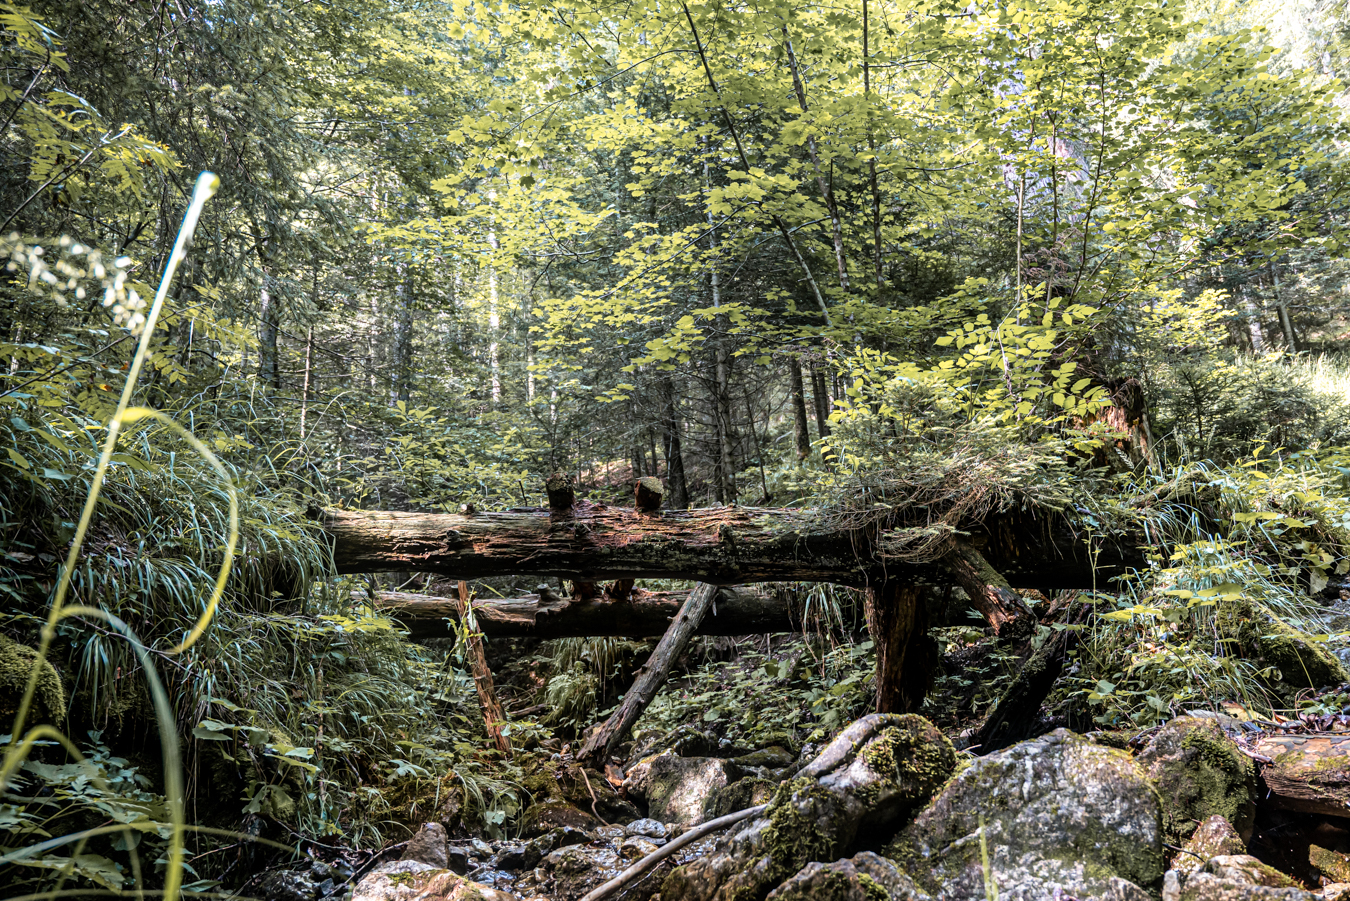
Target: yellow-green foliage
<point>16,667</point>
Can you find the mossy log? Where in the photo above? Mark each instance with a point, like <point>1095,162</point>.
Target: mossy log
<point>1309,773</point>
<point>645,614</point>
<point>720,545</point>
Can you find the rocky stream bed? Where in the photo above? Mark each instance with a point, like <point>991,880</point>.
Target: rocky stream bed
<point>1203,808</point>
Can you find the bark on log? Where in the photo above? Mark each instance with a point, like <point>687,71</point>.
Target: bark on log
<point>897,619</point>
<point>647,614</point>
<point>603,740</point>
<point>989,591</point>
<point>493,717</point>
<point>721,545</point>
<point>1310,773</point>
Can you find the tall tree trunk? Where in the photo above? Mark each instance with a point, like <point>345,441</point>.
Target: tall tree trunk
<point>898,622</point>
<point>726,466</point>
<point>1286,321</point>
<point>872,148</point>
<point>801,430</point>
<point>494,316</point>
<point>403,324</point>
<point>670,440</point>
<point>821,396</point>
<point>1253,311</point>
<point>269,327</point>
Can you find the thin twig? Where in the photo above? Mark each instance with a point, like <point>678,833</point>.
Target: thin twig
<point>640,868</point>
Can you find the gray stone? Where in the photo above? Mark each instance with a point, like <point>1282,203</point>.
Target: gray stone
<point>1058,814</point>
<point>1202,886</point>
<point>288,885</point>
<point>648,827</point>
<point>677,789</point>
<point>409,880</point>
<point>1213,838</point>
<point>518,856</point>
<point>429,846</point>
<point>862,878</point>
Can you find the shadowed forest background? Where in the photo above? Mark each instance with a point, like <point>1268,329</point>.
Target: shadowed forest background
<point>911,266</point>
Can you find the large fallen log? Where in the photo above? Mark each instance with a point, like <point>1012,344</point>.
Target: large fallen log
<point>1309,773</point>
<point>646,614</point>
<point>721,545</point>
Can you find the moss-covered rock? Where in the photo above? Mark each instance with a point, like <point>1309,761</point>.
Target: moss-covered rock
<point>1057,814</point>
<point>1200,772</point>
<point>748,792</point>
<point>866,877</point>
<point>16,667</point>
<point>1332,864</point>
<point>1235,877</point>
<point>409,880</point>
<point>1302,662</point>
<point>1215,837</point>
<point>893,768</point>
<point>546,816</point>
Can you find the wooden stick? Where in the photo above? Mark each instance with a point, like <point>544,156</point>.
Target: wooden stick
<point>640,868</point>
<point>493,717</point>
<point>603,740</point>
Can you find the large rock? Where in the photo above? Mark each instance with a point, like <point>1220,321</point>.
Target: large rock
<point>17,662</point>
<point>1059,815</point>
<point>866,877</point>
<point>409,880</point>
<point>1215,837</point>
<point>430,846</point>
<point>1200,772</point>
<point>1303,663</point>
<point>679,789</point>
<point>1233,877</point>
<point>873,774</point>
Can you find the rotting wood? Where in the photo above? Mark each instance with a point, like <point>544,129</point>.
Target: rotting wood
<point>898,623</point>
<point>601,743</point>
<point>1014,718</point>
<point>1004,608</point>
<point>1310,773</point>
<point>646,614</point>
<point>493,717</point>
<point>720,545</point>
<point>647,494</point>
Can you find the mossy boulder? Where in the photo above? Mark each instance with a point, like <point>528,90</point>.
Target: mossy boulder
<point>16,667</point>
<point>893,769</point>
<point>546,816</point>
<point>865,877</point>
<point>1058,815</point>
<point>1302,662</point>
<point>1200,772</point>
<point>1215,837</point>
<point>749,792</point>
<point>409,880</point>
<point>548,780</point>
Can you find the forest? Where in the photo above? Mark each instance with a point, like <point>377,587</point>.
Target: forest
<point>700,450</point>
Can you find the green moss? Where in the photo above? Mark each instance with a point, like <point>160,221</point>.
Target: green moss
<point>1303,663</point>
<point>1331,864</point>
<point>802,827</point>
<point>16,667</point>
<point>872,889</point>
<point>738,796</point>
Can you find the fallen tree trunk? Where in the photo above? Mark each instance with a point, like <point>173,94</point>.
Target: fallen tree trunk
<point>721,545</point>
<point>646,614</point>
<point>1309,773</point>
<point>602,742</point>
